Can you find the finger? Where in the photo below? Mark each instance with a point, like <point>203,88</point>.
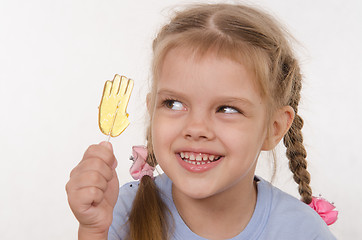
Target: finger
<point>125,98</point>
<point>107,89</point>
<point>111,195</point>
<point>124,84</point>
<point>128,92</point>
<point>121,123</point>
<point>115,85</point>
<point>83,199</point>
<point>89,179</point>
<point>107,145</point>
<point>93,164</point>
<point>101,151</point>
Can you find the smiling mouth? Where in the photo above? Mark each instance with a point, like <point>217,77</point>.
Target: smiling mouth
<point>198,158</point>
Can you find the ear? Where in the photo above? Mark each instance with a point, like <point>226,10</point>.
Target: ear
<point>279,125</point>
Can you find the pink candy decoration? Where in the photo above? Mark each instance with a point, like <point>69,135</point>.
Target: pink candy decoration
<point>324,209</point>
<point>140,168</point>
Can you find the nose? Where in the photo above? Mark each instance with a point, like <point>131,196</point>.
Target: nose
<point>198,127</point>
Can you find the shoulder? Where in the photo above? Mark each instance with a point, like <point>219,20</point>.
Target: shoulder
<point>289,217</point>
<point>128,191</point>
<point>119,228</point>
<point>123,207</point>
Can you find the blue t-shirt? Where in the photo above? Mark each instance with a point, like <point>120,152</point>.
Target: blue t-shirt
<point>277,215</point>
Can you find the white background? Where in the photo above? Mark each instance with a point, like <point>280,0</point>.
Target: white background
<point>56,55</point>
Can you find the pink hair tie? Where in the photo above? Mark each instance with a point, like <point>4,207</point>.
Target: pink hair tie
<point>140,167</point>
<point>324,209</point>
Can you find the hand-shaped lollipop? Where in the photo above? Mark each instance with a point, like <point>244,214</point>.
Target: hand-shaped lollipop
<point>113,119</point>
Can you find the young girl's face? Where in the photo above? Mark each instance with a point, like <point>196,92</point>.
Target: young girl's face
<point>209,123</point>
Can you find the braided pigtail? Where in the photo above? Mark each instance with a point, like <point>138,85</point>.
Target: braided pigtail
<point>297,154</point>
<point>293,140</point>
<point>148,220</point>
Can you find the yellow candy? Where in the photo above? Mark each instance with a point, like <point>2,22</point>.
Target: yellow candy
<point>113,119</point>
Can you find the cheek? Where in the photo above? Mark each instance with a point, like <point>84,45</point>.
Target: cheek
<point>159,128</point>
<point>161,134</point>
<point>246,136</point>
<point>155,131</point>
<point>160,142</point>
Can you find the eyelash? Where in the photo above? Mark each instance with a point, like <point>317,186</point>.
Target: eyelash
<point>169,101</point>
<point>231,107</point>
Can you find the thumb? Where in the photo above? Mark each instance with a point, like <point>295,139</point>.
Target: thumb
<point>110,147</point>
<point>107,145</point>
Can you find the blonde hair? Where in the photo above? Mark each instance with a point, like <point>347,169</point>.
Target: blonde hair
<point>240,33</point>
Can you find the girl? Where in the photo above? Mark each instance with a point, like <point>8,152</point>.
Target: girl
<point>226,86</point>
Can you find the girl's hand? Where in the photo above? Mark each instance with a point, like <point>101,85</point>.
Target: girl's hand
<point>93,190</point>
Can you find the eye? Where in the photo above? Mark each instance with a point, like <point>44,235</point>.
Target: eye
<point>173,105</point>
<point>228,110</point>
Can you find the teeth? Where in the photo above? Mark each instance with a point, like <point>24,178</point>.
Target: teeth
<point>200,158</point>
<point>197,163</point>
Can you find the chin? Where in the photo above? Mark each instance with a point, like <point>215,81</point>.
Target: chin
<point>196,190</point>
<point>197,194</point>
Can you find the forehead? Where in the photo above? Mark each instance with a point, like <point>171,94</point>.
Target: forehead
<point>185,70</point>
<point>201,43</point>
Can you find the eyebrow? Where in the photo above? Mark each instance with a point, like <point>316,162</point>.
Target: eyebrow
<point>226,99</point>
<point>238,100</point>
<point>164,91</point>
